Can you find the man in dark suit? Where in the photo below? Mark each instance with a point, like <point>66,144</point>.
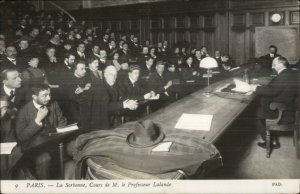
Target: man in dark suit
<point>39,116</point>
<point>159,85</point>
<point>23,51</point>
<point>78,93</point>
<point>117,102</point>
<point>268,59</point>
<point>63,71</point>
<point>130,88</point>
<point>143,56</point>
<point>111,50</point>
<point>102,59</point>
<point>104,42</point>
<point>95,51</point>
<point>10,61</point>
<point>80,52</point>
<point>15,97</point>
<point>135,48</point>
<point>282,89</point>
<point>147,68</point>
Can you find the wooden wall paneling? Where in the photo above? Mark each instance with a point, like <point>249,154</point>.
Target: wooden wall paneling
<point>294,17</point>
<point>284,37</point>
<point>257,18</point>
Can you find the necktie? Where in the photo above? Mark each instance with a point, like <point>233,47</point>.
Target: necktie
<point>11,96</point>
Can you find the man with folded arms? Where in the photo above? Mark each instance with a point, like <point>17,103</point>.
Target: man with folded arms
<point>41,115</point>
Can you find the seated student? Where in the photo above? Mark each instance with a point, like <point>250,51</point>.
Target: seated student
<point>115,61</point>
<point>203,51</point>
<point>173,74</point>
<point>48,63</point>
<point>78,93</point>
<point>33,74</point>
<point>93,70</point>
<point>218,58</point>
<point>143,56</point>
<point>227,63</point>
<point>116,100</point>
<point>6,128</point>
<point>268,58</point>
<point>158,83</point>
<point>13,97</point>
<point>123,72</point>
<point>282,89</point>
<point>80,51</point>
<point>147,68</point>
<point>41,115</point>
<point>102,59</point>
<point>130,88</point>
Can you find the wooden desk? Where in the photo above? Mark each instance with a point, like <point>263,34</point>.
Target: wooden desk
<point>42,141</point>
<point>224,107</point>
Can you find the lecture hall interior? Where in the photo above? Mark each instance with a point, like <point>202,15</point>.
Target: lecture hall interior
<point>149,89</point>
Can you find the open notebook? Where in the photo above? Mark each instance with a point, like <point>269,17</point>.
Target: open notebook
<point>241,86</point>
<point>67,128</point>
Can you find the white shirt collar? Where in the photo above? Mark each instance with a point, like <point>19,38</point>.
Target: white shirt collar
<point>7,90</point>
<point>80,53</point>
<point>131,81</point>
<point>11,59</point>
<point>36,105</point>
<point>68,66</point>
<point>76,75</point>
<point>281,70</point>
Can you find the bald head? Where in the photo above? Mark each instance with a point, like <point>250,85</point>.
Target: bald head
<point>110,75</point>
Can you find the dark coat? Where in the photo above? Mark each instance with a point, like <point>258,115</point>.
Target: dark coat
<point>156,83</point>
<point>7,64</point>
<point>282,89</point>
<point>79,104</point>
<point>26,127</point>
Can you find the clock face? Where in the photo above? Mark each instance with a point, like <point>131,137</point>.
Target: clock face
<point>276,17</point>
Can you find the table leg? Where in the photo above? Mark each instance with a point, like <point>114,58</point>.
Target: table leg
<point>61,159</point>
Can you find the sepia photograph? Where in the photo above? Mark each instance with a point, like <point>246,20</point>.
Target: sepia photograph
<point>150,96</point>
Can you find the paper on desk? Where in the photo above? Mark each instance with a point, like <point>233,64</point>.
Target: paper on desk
<point>232,69</point>
<point>194,122</point>
<point>67,128</point>
<point>163,147</point>
<point>241,86</point>
<point>6,148</point>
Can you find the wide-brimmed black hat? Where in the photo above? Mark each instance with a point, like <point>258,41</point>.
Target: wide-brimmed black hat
<point>145,134</point>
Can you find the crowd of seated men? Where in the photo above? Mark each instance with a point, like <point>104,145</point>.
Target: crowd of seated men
<point>55,72</point>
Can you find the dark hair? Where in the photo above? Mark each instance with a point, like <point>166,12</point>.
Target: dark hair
<point>67,55</point>
<point>91,59</point>
<point>273,46</point>
<point>37,88</point>
<point>160,63</point>
<point>5,72</point>
<point>77,62</point>
<point>148,58</point>
<point>134,67</point>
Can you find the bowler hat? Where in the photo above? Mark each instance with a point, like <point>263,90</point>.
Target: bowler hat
<point>146,134</point>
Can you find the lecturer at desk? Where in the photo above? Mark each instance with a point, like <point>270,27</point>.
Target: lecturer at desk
<point>41,115</point>
<point>282,89</point>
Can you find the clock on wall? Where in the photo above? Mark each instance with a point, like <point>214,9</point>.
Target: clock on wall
<point>276,18</point>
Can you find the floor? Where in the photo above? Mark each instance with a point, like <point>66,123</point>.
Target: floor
<point>243,159</point>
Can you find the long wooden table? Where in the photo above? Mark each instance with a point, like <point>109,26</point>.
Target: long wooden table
<point>225,108</point>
